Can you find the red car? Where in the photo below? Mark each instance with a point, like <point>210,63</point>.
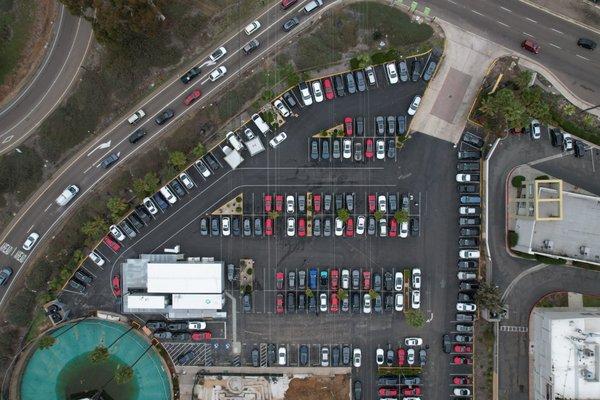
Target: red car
<point>335,303</point>
<point>279,278</point>
<point>116,285</point>
<point>457,360</point>
<point>328,88</point>
<point>461,380</point>
<point>268,203</point>
<point>279,303</point>
<point>348,126</point>
<point>269,227</point>
<point>387,392</point>
<point>192,97</point>
<point>287,3</point>
<point>393,231</point>
<point>204,335</point>
<point>459,348</point>
<point>349,227</point>
<point>279,202</point>
<point>334,278</point>
<point>530,45</point>
<point>366,280</point>
<point>401,356</point>
<point>110,242</point>
<point>317,203</point>
<point>369,148</point>
<point>372,200</point>
<point>301,227</point>
<point>415,391</point>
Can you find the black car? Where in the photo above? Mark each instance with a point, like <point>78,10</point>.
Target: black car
<point>377,282</point>
<point>312,304</point>
<point>181,336</point>
<point>235,226</point>
<point>247,303</point>
<point>301,301</point>
<point>414,226</point>
<point>586,43</point>
<point>391,148</point>
<point>468,242</point>
<point>473,140</point>
<point>191,74</point>
<point>303,357</point>
<point>388,280</point>
<point>177,188</point>
<point>164,335</point>
<point>143,214</point>
<point>388,302</point>
<point>355,303</point>
<point>390,357</point>
<point>467,167</point>
<point>556,137</point>
<point>271,354</point>
<point>360,81</point>
<point>469,231</point>
<point>128,229</point>
<point>247,226</point>
<point>467,264</point>
<point>258,226</point>
<point>215,226</point>
<point>468,188</point>
<point>401,119</point>
<point>314,149</point>
<point>360,126</point>
<point>339,201</point>
<point>470,154</point>
<point>204,226</point>
<point>5,274</point>
<point>357,390</point>
<point>77,286</point>
<point>135,221</point>
<point>177,326</point>
<point>164,116</point>
<point>212,161</point>
<point>251,46</point>
<point>464,297</point>
<point>160,201</point>
<point>255,357</point>
<point>416,70</point>
<point>387,381</point>
<point>291,302</point>
<point>335,356</point>
<point>83,276</point>
<point>110,160</point>
<point>137,136</point>
<point>464,221</point>
<point>468,286</point>
<point>289,99</point>
<point>579,148</point>
<point>350,83</point>
<point>186,357</point>
<point>290,24</point>
<point>346,355</point>
<point>446,344</point>
<point>338,82</point>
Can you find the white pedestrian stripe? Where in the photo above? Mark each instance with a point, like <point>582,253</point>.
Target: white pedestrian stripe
<point>508,328</point>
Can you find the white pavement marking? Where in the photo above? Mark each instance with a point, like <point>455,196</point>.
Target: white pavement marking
<point>528,34</point>
<point>100,146</point>
<point>47,208</point>
<point>502,23</point>
<point>519,277</point>
<point>477,12</point>
<point>580,56</point>
<point>557,31</point>
<point>506,9</point>
<point>541,160</point>
<point>450,1</point>
<point>553,45</point>
<point>531,20</point>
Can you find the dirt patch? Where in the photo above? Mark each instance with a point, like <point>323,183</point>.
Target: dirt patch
<point>33,52</point>
<point>484,358</point>
<point>321,388</point>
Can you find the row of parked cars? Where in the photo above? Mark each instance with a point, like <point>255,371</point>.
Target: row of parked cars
<point>179,330</point>
<point>411,355</point>
<point>352,149</point>
<point>329,356</point>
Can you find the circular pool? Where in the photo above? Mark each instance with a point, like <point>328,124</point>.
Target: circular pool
<point>64,371</point>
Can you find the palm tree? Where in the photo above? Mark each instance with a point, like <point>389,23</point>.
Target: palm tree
<point>123,374</point>
<point>99,354</point>
<point>46,342</point>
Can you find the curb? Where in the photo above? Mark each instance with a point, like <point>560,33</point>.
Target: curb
<point>561,16</point>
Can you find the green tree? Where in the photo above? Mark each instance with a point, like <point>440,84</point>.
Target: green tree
<point>309,293</point>
<point>274,214</point>
<point>378,215</point>
<point>343,214</point>
<point>342,294</point>
<point>123,374</point>
<point>99,354</point>
<point>504,109</point>
<point>95,229</point>
<point>178,160</point>
<point>147,185</point>
<point>535,103</point>
<point>46,342</point>
<point>373,293</point>
<point>363,60</point>
<point>117,207</point>
<point>523,79</point>
<point>488,296</point>
<point>199,151</point>
<point>401,216</point>
<point>415,318</point>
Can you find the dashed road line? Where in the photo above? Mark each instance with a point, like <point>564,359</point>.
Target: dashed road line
<point>505,9</point>
<point>528,34</point>
<point>553,45</point>
<point>502,23</point>
<point>531,20</point>
<point>580,56</point>
<point>477,12</point>
<point>557,31</point>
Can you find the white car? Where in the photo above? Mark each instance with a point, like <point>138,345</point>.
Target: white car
<point>324,356</point>
<point>186,180</point>
<point>345,281</point>
<point>96,258</point>
<point>412,110</point>
<point>383,227</point>
<point>465,178</point>
<point>469,254</point>
<point>462,392</point>
<point>168,195</point>
<point>360,224</point>
<point>567,143</point>
<point>305,93</point>
<point>415,300</point>
<point>30,241</point>
<point>413,341</point>
<point>382,203</point>
<point>399,303</point>
<point>291,226</point>
<point>380,149</point>
<point>149,204</point>
<point>467,210</point>
<point>139,114</point>
<point>117,233</point>
<point>536,131</point>
<point>277,140</point>
<point>404,229</point>
<point>217,54</point>
<point>282,356</point>
<point>356,357</point>
<point>196,326</point>
<point>226,226</point>
<point>416,278</point>
<point>204,171</point>
<point>281,108</point>
<point>290,204</point>
<point>367,304</point>
<point>323,302</point>
<point>347,148</point>
<point>218,73</point>
<point>317,91</point>
<point>398,281</point>
<point>466,307</point>
<point>339,227</point>
<point>379,356</point>
<point>392,73</point>
<point>466,276</point>
<point>370,75</point>
<point>252,27</point>
<point>410,356</point>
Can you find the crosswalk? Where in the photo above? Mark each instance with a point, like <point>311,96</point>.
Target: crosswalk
<point>519,329</point>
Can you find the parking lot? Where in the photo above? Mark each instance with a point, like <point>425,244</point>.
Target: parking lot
<point>289,170</point>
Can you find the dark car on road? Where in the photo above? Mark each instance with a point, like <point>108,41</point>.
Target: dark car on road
<point>137,136</point>
<point>186,358</point>
<point>416,70</point>
<point>164,116</point>
<point>5,274</point>
<point>110,160</point>
<point>156,325</point>
<point>303,359</point>
<point>290,24</point>
<point>338,82</point>
<point>470,154</point>
<point>586,43</point>
<point>191,74</point>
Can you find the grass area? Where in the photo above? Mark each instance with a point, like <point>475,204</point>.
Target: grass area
<point>16,19</point>
<point>591,301</point>
<point>560,299</point>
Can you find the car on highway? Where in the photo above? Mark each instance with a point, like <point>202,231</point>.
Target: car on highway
<point>217,54</point>
<point>164,116</point>
<point>110,160</point>
<point>530,45</point>
<point>192,97</point>
<point>290,24</point>
<point>251,46</point>
<point>190,75</point>
<point>252,27</point>
<point>136,116</point>
<point>31,241</point>
<point>137,136</point>
<point>217,73</point>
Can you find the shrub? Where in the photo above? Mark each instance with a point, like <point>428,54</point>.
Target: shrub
<point>542,178</point>
<point>415,318</point>
<point>513,238</point>
<point>549,260</point>
<point>383,57</point>
<point>517,181</point>
<point>46,342</point>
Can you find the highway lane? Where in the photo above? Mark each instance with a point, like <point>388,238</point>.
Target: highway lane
<point>71,38</point>
<point>42,216</point>
<point>510,22</point>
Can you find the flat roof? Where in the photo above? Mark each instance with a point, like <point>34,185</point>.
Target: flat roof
<point>146,302</point>
<point>204,278</point>
<point>197,301</point>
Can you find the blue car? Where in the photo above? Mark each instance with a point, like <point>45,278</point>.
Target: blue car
<point>312,279</point>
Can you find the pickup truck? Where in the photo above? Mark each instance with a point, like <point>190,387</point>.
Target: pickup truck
<point>67,195</point>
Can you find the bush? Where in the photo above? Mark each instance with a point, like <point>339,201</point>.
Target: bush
<point>517,181</point>
<point>415,318</point>
<point>383,57</point>
<point>513,238</point>
<point>542,178</point>
<point>401,216</point>
<point>550,260</point>
<point>343,214</point>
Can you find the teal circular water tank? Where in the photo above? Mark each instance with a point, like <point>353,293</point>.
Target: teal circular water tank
<point>65,371</point>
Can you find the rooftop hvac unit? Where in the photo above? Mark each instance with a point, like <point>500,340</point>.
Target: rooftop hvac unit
<point>588,352</point>
<point>587,375</point>
<point>548,244</point>
<point>584,250</point>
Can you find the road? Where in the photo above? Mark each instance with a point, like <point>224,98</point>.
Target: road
<point>71,38</point>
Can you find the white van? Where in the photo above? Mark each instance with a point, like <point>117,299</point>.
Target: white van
<point>313,5</point>
<point>168,195</point>
<point>262,125</point>
<point>233,140</point>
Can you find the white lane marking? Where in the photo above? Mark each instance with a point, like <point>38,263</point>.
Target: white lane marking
<point>552,44</point>
<point>450,1</point>
<point>580,56</point>
<point>528,34</point>
<point>90,167</point>
<point>8,139</point>
<point>557,31</point>
<point>531,20</point>
<point>47,208</point>
<point>477,12</point>
<point>30,228</point>
<point>505,9</point>
<point>100,146</point>
<point>502,23</point>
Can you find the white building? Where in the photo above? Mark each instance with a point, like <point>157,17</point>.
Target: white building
<point>168,284</point>
<point>565,355</point>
